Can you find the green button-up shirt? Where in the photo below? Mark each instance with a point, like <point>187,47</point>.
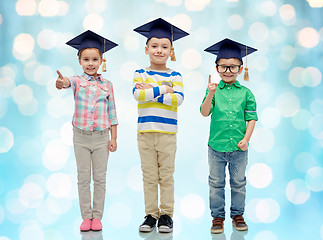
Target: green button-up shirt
<point>232,105</point>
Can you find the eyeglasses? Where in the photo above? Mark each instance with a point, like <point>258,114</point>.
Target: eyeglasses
<point>232,68</point>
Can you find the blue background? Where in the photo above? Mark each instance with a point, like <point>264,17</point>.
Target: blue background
<point>38,191</point>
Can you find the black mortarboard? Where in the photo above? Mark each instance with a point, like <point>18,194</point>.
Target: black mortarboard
<point>89,39</point>
<point>159,28</point>
<point>228,48</point>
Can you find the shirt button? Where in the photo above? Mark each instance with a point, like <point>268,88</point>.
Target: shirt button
<point>230,125</point>
<point>230,138</point>
<point>228,87</point>
<point>230,99</point>
<point>230,112</point>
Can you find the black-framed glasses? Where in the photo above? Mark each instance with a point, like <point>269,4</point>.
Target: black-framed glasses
<point>232,68</point>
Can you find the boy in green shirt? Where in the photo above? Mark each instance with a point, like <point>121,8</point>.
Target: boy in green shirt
<point>231,105</point>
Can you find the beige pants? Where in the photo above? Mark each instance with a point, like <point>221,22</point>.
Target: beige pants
<point>91,153</point>
<point>157,153</point>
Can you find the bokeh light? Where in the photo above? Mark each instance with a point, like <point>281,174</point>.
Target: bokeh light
<point>6,140</point>
<point>134,179</point>
<point>301,119</point>
<point>308,37</point>
<point>297,191</point>
<point>314,178</point>
<point>268,8</point>
<point>32,230</point>
<point>191,59</point>
<point>287,14</point>
<point>196,5</point>
<point>192,206</point>
<point>26,7</point>
<point>93,22</point>
<point>235,22</point>
<point>288,104</point>
<point>270,117</point>
<point>263,140</point>
<point>259,175</point>
<point>258,32</point>
<point>95,6</point>
<point>59,185</point>
<point>23,46</point>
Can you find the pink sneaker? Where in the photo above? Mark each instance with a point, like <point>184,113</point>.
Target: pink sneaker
<point>86,225</point>
<point>96,224</point>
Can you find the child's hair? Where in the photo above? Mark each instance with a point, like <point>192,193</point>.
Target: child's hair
<point>241,63</point>
<point>79,54</point>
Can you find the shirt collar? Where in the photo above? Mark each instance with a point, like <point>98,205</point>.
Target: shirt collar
<point>223,84</point>
<point>88,77</point>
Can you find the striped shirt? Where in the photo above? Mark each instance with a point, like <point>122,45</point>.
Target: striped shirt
<point>94,103</point>
<point>157,109</point>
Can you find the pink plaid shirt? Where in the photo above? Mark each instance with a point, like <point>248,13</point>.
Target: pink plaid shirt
<point>94,103</point>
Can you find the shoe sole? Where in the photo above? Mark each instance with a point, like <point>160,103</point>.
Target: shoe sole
<point>145,230</point>
<point>240,228</point>
<point>96,230</point>
<point>165,230</point>
<point>216,231</point>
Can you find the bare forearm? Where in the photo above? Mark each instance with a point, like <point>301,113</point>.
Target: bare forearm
<point>206,106</point>
<point>250,127</point>
<point>113,131</point>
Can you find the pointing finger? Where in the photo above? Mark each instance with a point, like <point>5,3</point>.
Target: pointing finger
<point>209,78</point>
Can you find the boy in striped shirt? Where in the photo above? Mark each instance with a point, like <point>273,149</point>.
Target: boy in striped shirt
<point>159,91</point>
<point>94,116</point>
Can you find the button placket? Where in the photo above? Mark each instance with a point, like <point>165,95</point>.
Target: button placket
<point>230,112</point>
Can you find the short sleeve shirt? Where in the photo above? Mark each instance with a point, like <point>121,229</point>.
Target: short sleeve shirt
<point>232,105</point>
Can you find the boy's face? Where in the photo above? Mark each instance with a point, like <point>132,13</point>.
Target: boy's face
<point>223,68</point>
<point>90,59</point>
<point>158,50</point>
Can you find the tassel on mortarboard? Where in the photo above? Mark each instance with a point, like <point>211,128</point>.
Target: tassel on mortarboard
<point>104,65</point>
<point>172,54</point>
<point>246,74</point>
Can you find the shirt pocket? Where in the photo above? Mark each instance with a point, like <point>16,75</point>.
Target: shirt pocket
<point>83,87</point>
<point>104,92</point>
<point>82,90</point>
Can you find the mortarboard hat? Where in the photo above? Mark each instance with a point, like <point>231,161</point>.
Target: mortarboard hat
<point>89,39</point>
<point>228,48</point>
<point>159,28</point>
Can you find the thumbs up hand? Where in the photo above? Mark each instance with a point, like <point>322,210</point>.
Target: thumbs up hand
<point>62,82</point>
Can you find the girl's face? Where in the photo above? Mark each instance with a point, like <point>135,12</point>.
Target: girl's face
<point>228,76</point>
<point>90,59</point>
<point>158,50</point>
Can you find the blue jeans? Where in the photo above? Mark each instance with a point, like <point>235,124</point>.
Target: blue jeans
<point>237,162</point>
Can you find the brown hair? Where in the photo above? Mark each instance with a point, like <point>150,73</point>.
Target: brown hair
<point>79,54</point>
